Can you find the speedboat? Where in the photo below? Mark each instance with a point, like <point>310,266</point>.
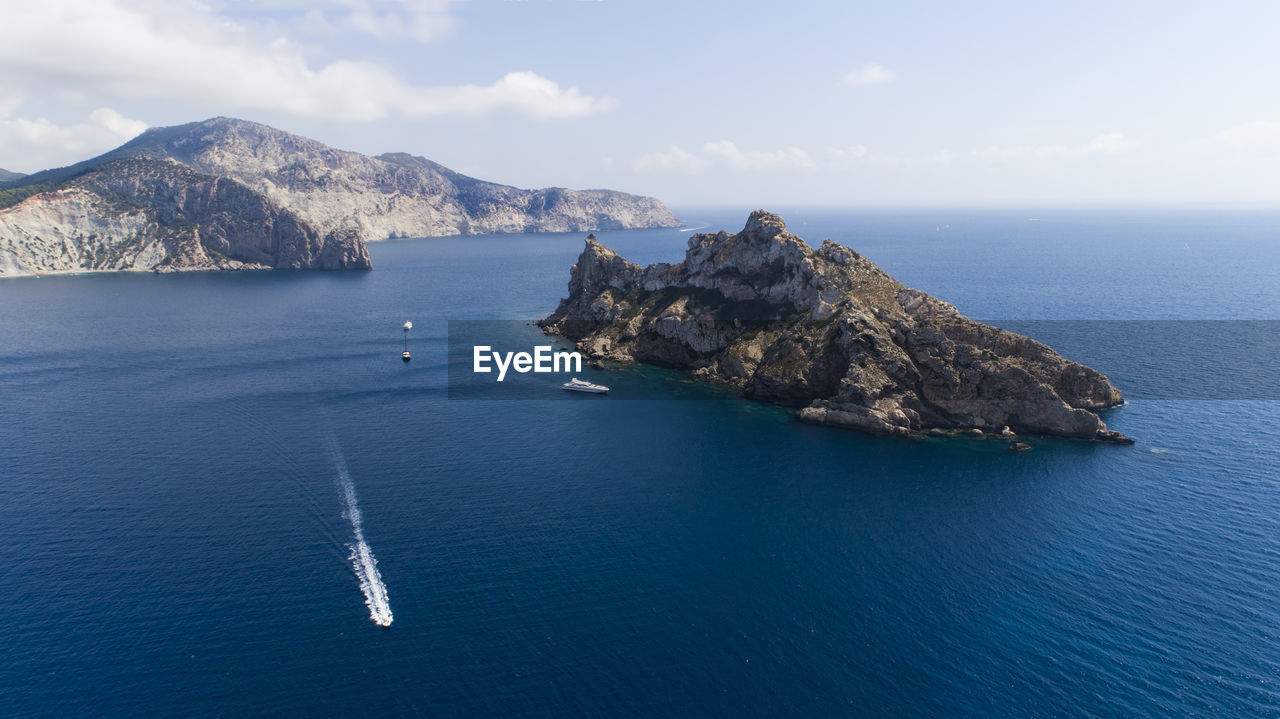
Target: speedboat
<point>577,385</point>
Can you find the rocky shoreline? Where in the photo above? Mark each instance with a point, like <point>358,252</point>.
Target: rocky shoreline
<point>828,332</point>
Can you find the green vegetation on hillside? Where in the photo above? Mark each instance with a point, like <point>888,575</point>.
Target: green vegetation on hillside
<point>12,196</point>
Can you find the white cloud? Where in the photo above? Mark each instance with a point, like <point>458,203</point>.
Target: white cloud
<point>756,160</point>
<point>1108,144</point>
<point>113,121</point>
<point>721,154</point>
<point>1023,152</point>
<point>36,144</point>
<point>1260,137</point>
<point>525,92</point>
<point>872,74</point>
<point>8,103</point>
<point>420,20</point>
<point>182,50</point>
<point>846,152</point>
<point>673,159</point>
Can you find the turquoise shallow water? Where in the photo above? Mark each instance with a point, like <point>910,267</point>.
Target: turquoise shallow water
<point>177,536</point>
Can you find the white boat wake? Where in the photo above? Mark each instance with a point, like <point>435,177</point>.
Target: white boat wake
<point>362,559</point>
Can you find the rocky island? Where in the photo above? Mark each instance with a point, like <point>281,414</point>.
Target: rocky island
<point>231,194</point>
<point>828,331</point>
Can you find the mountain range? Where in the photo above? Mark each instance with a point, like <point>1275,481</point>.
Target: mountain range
<point>231,194</point>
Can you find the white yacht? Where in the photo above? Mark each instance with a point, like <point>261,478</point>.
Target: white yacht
<point>577,385</point>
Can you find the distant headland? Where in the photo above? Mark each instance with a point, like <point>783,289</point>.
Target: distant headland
<point>828,331</point>
<point>232,194</point>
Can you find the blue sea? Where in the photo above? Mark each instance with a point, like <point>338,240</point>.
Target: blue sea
<point>189,463</point>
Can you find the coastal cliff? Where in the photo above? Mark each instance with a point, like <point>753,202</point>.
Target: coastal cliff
<point>333,193</point>
<point>143,214</point>
<point>830,332</point>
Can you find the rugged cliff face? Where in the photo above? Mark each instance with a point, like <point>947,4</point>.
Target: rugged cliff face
<point>829,331</point>
<point>393,195</point>
<point>144,214</point>
<point>344,197</point>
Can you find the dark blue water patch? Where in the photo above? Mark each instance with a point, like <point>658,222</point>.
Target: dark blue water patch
<point>1170,359</point>
<point>176,545</point>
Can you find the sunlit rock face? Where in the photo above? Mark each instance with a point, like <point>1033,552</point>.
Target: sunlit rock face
<point>830,332</point>
<point>230,194</point>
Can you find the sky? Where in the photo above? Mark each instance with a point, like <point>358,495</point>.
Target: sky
<point>732,103</point>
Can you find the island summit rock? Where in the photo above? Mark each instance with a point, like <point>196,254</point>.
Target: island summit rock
<point>828,331</point>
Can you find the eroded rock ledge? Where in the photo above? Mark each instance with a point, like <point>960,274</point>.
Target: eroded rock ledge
<point>828,331</point>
